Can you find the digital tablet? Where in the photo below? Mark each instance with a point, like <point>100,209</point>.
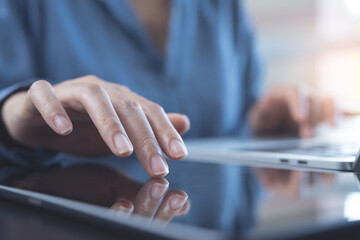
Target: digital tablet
<point>105,196</point>
<point>196,200</point>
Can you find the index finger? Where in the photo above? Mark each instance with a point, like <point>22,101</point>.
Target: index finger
<point>167,136</point>
<point>139,130</point>
<point>299,107</point>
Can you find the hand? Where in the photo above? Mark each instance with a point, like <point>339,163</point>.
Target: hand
<point>287,110</point>
<point>91,117</point>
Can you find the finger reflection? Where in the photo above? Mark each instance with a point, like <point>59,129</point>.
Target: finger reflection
<point>150,197</point>
<point>122,207</point>
<point>111,188</point>
<point>173,202</point>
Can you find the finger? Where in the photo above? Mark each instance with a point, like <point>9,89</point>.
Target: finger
<point>146,146</point>
<point>41,98</point>
<point>149,197</point>
<point>299,107</point>
<point>329,110</point>
<point>265,115</point>
<point>271,113</point>
<point>185,209</point>
<point>305,130</point>
<point>350,114</point>
<point>122,208</point>
<point>169,139</point>
<point>97,104</point>
<point>172,204</point>
<point>180,122</point>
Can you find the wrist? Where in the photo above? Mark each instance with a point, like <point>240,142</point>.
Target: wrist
<point>6,111</point>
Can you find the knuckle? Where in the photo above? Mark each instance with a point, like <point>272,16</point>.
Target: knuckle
<point>146,140</point>
<point>88,79</point>
<point>117,90</point>
<point>145,210</point>
<point>38,85</point>
<point>167,133</point>
<point>109,121</point>
<point>92,89</point>
<point>49,104</point>
<point>127,103</point>
<point>122,88</point>
<point>153,108</point>
<point>39,92</point>
<point>92,78</point>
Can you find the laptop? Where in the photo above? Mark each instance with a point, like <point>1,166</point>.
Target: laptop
<point>328,153</point>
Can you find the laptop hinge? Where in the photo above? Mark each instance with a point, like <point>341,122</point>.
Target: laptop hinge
<point>356,164</point>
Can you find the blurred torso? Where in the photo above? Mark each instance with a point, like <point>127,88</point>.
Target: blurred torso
<point>190,56</point>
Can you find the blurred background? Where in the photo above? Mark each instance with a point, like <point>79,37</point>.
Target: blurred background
<point>311,42</point>
<point>315,43</point>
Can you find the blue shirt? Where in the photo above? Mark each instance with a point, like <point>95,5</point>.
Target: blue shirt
<point>209,71</point>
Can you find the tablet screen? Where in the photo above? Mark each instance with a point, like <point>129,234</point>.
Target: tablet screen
<point>231,200</point>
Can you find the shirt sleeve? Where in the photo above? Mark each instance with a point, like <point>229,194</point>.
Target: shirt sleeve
<point>252,78</point>
<point>17,64</point>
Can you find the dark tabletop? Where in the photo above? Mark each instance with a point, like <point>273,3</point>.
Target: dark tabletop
<point>237,201</point>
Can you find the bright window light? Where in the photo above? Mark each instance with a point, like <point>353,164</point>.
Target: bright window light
<point>353,7</point>
<point>352,207</point>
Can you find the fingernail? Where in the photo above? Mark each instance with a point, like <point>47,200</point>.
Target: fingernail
<point>122,209</point>
<point>62,124</point>
<point>178,201</point>
<point>178,148</point>
<point>122,143</point>
<point>158,165</point>
<point>158,190</point>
